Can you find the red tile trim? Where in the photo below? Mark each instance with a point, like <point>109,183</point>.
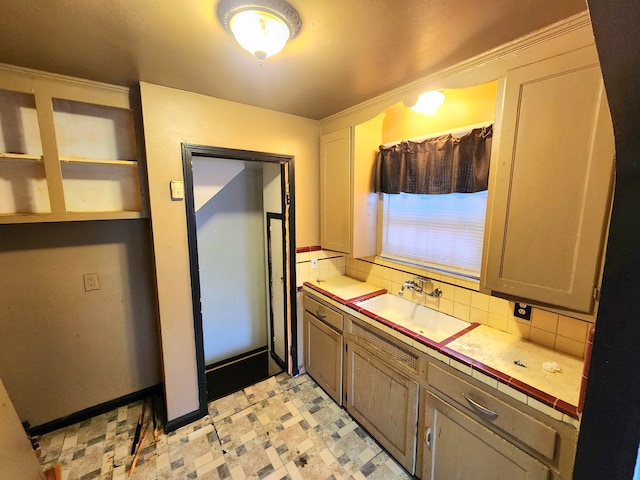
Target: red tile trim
<point>384,321</point>
<point>567,408</point>
<point>459,334</point>
<point>405,331</point>
<point>313,248</point>
<point>427,342</point>
<point>457,356</point>
<point>299,288</point>
<point>365,297</point>
<point>491,372</point>
<point>585,368</point>
<point>323,292</point>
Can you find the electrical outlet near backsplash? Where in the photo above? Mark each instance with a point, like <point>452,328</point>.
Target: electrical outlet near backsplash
<point>312,263</point>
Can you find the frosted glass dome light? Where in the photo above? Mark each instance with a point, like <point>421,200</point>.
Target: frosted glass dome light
<point>259,33</point>
<point>262,27</point>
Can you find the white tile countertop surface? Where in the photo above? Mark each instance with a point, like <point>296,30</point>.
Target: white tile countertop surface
<point>501,351</point>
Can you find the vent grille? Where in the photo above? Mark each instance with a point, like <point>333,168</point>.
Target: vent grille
<point>399,356</point>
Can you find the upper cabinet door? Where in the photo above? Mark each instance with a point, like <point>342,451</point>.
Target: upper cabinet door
<point>335,191</point>
<point>550,191</point>
<point>348,204</point>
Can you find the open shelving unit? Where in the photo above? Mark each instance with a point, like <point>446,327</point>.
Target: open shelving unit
<point>68,150</point>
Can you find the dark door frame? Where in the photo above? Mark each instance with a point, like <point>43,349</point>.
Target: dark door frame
<point>288,195</point>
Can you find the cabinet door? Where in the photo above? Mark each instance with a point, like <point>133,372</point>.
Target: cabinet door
<point>385,402</point>
<point>459,447</point>
<point>323,355</point>
<point>551,188</point>
<point>335,191</point>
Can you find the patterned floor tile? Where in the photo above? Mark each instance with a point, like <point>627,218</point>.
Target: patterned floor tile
<point>282,428</point>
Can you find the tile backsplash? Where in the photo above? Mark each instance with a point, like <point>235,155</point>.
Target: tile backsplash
<point>460,298</point>
<point>329,264</point>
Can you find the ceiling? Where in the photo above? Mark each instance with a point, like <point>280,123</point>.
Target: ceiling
<point>347,51</point>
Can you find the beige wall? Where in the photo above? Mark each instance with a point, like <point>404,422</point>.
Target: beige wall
<point>170,118</point>
<point>63,349</point>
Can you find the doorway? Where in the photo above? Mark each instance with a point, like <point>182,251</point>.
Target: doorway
<point>241,244</point>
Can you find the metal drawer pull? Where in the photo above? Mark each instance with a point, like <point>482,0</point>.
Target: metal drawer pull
<point>480,408</point>
<point>320,314</point>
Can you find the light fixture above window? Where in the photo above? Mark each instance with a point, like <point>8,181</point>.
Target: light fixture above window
<point>261,27</point>
<point>429,102</point>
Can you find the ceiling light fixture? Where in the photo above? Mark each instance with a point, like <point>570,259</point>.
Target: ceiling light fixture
<point>261,27</point>
<point>429,102</point>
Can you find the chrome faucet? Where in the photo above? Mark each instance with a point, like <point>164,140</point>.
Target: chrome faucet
<point>411,285</point>
<point>417,286</point>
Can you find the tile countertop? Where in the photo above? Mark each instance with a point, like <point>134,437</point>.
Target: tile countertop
<point>345,289</point>
<point>483,350</point>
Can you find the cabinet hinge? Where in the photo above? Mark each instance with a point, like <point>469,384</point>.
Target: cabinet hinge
<point>288,199</point>
<point>346,347</point>
<point>596,293</point>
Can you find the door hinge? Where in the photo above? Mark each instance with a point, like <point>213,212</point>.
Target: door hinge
<point>288,199</point>
<point>596,293</point>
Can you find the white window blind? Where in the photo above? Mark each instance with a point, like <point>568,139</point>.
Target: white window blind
<point>440,231</point>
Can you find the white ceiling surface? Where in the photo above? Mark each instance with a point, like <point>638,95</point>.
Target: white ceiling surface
<point>347,51</point>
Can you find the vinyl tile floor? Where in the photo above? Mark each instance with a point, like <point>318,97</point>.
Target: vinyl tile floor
<point>281,428</point>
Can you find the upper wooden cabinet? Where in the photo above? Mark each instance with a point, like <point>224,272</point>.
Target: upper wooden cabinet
<point>67,150</point>
<point>551,183</point>
<point>348,206</point>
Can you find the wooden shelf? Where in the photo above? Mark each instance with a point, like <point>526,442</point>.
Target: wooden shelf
<point>69,216</point>
<point>128,163</point>
<point>19,157</point>
<point>78,149</point>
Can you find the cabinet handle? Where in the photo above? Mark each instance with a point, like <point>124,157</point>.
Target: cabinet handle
<point>427,438</point>
<point>480,408</point>
<point>320,314</point>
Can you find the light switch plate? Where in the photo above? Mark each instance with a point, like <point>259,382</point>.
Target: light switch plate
<point>314,264</point>
<point>177,189</point>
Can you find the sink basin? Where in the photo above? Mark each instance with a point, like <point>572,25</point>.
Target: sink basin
<point>432,324</point>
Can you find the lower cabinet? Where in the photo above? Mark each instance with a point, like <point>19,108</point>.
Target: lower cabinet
<point>383,401</point>
<point>323,348</point>
<point>458,446</point>
<point>436,422</point>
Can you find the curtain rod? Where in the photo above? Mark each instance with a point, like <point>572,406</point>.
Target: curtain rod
<point>456,131</point>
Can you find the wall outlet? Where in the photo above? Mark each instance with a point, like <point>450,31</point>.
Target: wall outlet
<point>522,310</point>
<point>314,264</point>
<point>91,282</point>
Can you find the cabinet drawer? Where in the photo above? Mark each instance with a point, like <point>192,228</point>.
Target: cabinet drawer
<point>485,407</point>
<point>324,313</point>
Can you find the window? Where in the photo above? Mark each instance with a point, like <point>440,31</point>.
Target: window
<point>444,232</point>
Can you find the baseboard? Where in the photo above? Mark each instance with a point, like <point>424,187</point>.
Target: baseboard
<point>179,422</point>
<point>237,373</point>
<point>93,411</point>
